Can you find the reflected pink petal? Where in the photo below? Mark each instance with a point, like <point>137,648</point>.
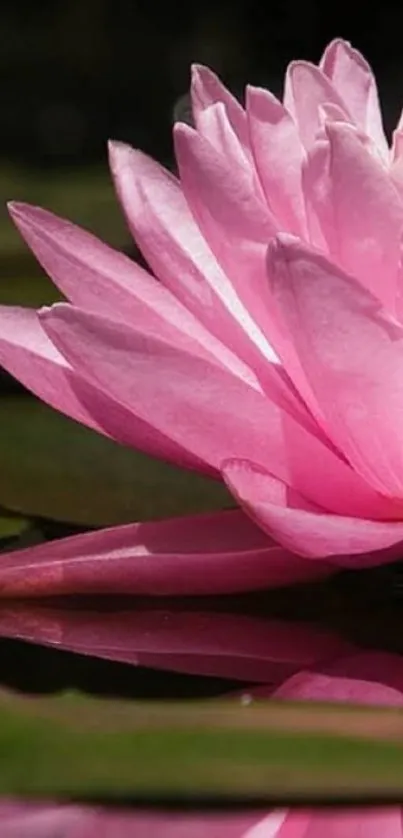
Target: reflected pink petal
<point>172,638</point>
<point>30,820</point>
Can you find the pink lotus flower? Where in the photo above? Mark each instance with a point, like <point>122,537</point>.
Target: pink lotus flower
<point>268,354</point>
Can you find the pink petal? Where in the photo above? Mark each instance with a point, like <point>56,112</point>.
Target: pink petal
<point>213,124</point>
<point>27,353</point>
<point>219,418</point>
<point>170,240</point>
<point>354,80</point>
<point>304,529</point>
<point>306,90</point>
<point>95,276</point>
<point>352,354</point>
<point>396,156</point>
<point>218,195</point>
<point>156,381</point>
<point>279,155</point>
<point>239,246</point>
<point>207,90</point>
<point>358,210</point>
<point>171,637</point>
<point>208,554</point>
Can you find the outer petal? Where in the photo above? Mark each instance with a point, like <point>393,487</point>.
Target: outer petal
<point>204,554</point>
<point>219,418</point>
<point>196,401</point>
<point>353,79</point>
<point>28,354</point>
<point>171,241</point>
<point>279,155</point>
<point>350,542</point>
<point>352,354</point>
<point>95,276</point>
<point>358,210</point>
<point>306,90</point>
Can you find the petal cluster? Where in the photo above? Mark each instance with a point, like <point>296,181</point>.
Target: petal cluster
<point>265,344</point>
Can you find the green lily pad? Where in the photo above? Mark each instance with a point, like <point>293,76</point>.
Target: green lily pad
<point>33,290</point>
<point>12,525</point>
<point>54,468</point>
<point>86,196</point>
<point>85,747</point>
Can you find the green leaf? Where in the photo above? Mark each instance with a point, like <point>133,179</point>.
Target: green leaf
<point>52,467</point>
<point>290,752</point>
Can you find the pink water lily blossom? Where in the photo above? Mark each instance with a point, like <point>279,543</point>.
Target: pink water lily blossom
<point>265,346</point>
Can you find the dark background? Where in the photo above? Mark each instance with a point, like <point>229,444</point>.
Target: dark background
<point>74,72</point>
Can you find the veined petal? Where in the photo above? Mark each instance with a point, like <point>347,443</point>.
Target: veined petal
<point>169,238</point>
<point>93,275</point>
<point>358,210</point>
<point>352,354</point>
<point>213,124</point>
<point>279,155</point>
<point>306,89</point>
<point>354,80</point>
<point>168,235</point>
<point>207,90</point>
<point>305,529</point>
<point>205,554</point>
<point>219,418</point>
<point>210,183</point>
<point>27,353</point>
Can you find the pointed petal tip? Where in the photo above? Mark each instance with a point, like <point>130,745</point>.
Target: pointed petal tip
<point>182,131</point>
<point>119,154</point>
<point>200,73</point>
<point>339,42</point>
<point>19,209</point>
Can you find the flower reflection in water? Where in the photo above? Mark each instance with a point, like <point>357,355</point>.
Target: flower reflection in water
<point>268,657</point>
